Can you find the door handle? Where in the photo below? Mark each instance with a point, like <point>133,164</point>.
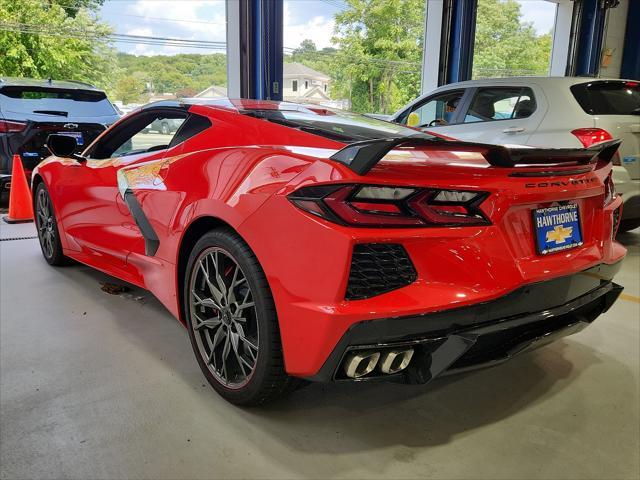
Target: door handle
<point>513,130</point>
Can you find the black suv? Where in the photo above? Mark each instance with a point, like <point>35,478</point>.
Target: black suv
<point>30,110</point>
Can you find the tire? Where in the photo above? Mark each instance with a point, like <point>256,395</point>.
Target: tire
<point>47,226</point>
<point>164,129</point>
<point>628,225</point>
<point>252,372</point>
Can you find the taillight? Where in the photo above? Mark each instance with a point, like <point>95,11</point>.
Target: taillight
<point>381,206</point>
<point>8,126</point>
<point>591,136</point>
<point>609,190</point>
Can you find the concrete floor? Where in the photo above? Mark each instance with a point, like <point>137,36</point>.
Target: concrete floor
<point>100,386</point>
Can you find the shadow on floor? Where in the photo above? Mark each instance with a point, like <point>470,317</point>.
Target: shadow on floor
<point>362,416</point>
<point>629,239</point>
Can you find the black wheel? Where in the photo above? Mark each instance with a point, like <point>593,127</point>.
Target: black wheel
<point>232,321</point>
<point>629,224</point>
<point>164,128</point>
<point>48,228</point>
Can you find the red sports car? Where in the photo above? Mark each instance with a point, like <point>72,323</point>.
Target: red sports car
<point>299,242</point>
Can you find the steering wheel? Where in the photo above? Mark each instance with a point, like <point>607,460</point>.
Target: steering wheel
<point>436,122</point>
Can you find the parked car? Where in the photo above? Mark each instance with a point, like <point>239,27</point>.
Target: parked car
<point>297,242</point>
<point>542,112</point>
<point>31,109</point>
<point>165,126</point>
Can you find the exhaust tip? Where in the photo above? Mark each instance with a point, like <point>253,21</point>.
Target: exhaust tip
<point>360,364</point>
<point>394,361</point>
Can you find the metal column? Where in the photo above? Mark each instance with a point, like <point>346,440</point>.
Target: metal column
<point>589,38</point>
<point>254,48</point>
<point>458,39</point>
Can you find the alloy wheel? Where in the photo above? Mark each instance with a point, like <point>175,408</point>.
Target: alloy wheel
<point>45,223</point>
<point>223,317</point>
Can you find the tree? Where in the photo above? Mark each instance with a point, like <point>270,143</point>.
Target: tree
<point>378,63</point>
<point>306,46</point>
<point>129,89</point>
<point>40,40</point>
<point>505,45</point>
<point>72,8</point>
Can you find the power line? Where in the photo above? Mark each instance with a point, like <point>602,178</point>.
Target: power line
<point>77,8</point>
<point>115,37</point>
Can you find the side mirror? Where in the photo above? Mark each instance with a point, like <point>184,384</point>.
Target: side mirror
<point>63,146</point>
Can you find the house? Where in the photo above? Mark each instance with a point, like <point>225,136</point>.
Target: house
<point>304,84</point>
<point>301,84</point>
<point>213,91</point>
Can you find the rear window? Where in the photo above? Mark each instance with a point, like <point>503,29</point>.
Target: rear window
<point>55,101</point>
<point>334,124</point>
<point>608,98</point>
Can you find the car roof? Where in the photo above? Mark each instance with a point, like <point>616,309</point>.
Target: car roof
<point>540,80</point>
<point>236,105</point>
<point>48,83</point>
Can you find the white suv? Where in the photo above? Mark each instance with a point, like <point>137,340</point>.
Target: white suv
<point>542,111</point>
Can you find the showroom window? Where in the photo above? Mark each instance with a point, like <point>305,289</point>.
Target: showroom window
<point>513,38</point>
<point>367,53</point>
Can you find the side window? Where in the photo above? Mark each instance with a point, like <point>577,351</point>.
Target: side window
<point>434,112</point>
<point>501,103</point>
<point>156,135</point>
<point>146,131</point>
<point>192,126</point>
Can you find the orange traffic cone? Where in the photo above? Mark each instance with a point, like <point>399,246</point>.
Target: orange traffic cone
<point>20,206</point>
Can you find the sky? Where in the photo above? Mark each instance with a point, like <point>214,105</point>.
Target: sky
<point>205,20</point>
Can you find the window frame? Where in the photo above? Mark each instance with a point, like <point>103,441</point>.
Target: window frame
<point>294,85</point>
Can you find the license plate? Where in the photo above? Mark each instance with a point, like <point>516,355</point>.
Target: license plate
<point>76,135</point>
<point>557,228</point>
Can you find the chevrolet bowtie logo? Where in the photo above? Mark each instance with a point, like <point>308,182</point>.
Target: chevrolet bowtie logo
<point>559,234</point>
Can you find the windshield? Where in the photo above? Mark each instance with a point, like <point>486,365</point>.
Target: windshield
<point>335,124</point>
<point>54,101</point>
<point>608,97</point>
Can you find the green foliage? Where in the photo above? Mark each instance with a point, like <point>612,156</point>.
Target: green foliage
<point>72,8</point>
<point>505,45</point>
<point>129,89</point>
<point>182,75</point>
<point>378,63</point>
<point>87,56</point>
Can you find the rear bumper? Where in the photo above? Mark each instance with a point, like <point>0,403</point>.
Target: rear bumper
<point>482,334</point>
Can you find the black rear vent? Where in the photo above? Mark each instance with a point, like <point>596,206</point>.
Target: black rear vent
<point>378,268</point>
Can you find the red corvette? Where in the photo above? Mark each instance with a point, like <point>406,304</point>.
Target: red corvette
<point>301,242</point>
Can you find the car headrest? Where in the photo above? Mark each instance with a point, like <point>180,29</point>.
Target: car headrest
<point>524,109</point>
<point>484,108</point>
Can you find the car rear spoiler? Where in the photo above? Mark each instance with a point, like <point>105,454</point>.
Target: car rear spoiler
<point>361,157</point>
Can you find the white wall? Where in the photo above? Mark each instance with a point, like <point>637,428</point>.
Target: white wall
<point>615,26</point>
<point>561,37</point>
